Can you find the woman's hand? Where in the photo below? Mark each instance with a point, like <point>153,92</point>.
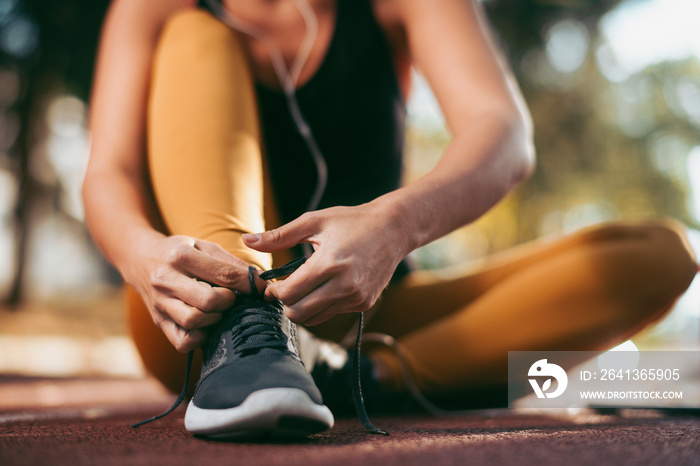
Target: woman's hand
<point>186,283</point>
<point>357,250</point>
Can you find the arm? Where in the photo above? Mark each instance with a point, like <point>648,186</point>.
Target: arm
<point>119,206</point>
<point>491,151</point>
<point>358,248</point>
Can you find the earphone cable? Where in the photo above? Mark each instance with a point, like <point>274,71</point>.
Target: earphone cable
<point>288,80</point>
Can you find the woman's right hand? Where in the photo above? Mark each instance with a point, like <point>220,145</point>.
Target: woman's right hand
<point>186,283</point>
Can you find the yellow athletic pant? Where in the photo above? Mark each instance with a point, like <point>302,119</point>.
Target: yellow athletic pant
<point>589,291</point>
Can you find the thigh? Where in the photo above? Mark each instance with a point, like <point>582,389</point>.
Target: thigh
<point>205,159</point>
<point>589,291</point>
<point>425,297</point>
<point>642,263</point>
<point>204,145</point>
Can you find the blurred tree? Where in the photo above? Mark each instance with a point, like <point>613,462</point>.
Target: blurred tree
<point>49,47</point>
<point>606,150</point>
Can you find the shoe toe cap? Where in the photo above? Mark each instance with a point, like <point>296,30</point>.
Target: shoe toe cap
<point>229,385</point>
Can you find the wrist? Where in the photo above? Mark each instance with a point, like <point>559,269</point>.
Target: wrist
<point>400,222</point>
<point>135,251</point>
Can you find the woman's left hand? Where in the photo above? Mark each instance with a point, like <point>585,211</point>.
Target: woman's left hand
<point>356,249</point>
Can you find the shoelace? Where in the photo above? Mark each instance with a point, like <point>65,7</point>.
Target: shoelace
<point>408,379</point>
<point>412,387</point>
<point>256,328</point>
<point>260,329</point>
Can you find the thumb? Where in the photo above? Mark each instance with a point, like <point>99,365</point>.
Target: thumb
<point>279,239</point>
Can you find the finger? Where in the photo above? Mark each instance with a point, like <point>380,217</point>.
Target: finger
<point>186,316</point>
<point>199,264</point>
<point>299,284</point>
<point>216,251</point>
<point>198,294</point>
<point>325,299</point>
<point>183,340</point>
<point>284,237</point>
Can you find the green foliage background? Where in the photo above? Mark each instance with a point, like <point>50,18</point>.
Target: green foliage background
<point>606,150</point>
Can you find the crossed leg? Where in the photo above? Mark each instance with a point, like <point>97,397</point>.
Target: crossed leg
<point>588,291</point>
<point>205,159</point>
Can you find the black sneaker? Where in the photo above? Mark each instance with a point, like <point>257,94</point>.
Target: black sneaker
<point>253,382</point>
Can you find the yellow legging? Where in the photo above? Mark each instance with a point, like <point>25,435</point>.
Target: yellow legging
<point>588,291</point>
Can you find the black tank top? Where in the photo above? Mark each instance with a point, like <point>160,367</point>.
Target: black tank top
<point>356,112</point>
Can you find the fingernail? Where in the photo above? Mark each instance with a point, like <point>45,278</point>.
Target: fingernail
<point>251,237</point>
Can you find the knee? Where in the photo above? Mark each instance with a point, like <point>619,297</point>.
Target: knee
<point>670,251</point>
<point>652,259</point>
<point>196,34</point>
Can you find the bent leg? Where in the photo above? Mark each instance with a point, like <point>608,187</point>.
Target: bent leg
<point>203,136</point>
<point>204,155</point>
<point>589,291</point>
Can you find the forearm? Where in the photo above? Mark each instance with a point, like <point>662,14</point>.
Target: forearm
<point>483,163</point>
<point>120,214</point>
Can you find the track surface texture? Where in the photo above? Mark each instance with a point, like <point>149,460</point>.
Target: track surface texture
<point>87,421</point>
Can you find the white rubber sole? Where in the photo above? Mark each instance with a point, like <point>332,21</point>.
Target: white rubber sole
<point>277,412</point>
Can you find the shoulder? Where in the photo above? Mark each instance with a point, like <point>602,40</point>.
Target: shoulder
<point>404,21</point>
<point>389,18</point>
<point>145,19</point>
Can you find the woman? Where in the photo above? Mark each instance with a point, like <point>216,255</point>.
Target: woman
<point>195,154</point>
